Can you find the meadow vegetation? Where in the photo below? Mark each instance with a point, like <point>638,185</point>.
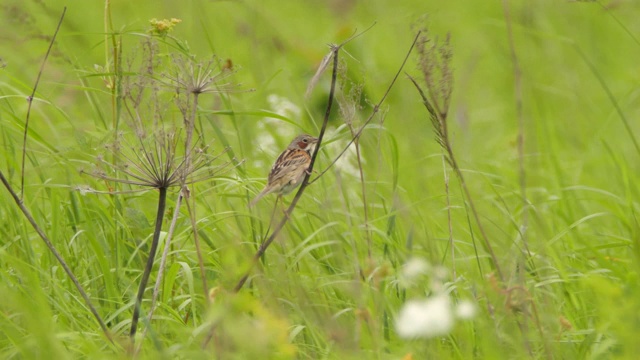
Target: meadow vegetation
<point>474,194</point>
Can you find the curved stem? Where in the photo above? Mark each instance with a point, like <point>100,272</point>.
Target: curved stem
<point>30,101</point>
<point>57,255</point>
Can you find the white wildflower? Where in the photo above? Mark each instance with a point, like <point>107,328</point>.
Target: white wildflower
<point>415,271</point>
<point>425,318</point>
<point>414,268</point>
<point>466,310</point>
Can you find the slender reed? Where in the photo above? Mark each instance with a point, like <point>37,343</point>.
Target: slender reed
<point>30,101</point>
<point>449,222</point>
<point>434,62</point>
<point>348,107</point>
<point>526,256</point>
<point>517,83</point>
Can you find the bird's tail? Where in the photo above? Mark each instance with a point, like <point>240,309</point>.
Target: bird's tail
<point>260,196</point>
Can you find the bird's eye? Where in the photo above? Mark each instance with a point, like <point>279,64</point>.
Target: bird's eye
<point>305,140</point>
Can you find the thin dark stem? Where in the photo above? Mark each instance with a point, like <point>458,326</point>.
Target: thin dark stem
<point>156,288</point>
<point>263,247</point>
<point>375,110</point>
<point>162,202</point>
<point>30,101</point>
<point>57,255</point>
<point>273,216</point>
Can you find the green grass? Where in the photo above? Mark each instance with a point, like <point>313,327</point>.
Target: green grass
<point>316,293</point>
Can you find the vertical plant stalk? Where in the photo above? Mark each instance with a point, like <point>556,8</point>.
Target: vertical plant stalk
<point>345,104</point>
<point>196,240</point>
<point>440,120</point>
<point>335,49</point>
<point>57,255</point>
<point>190,126</point>
<point>163,260</point>
<point>363,188</point>
<point>116,53</point>
<point>449,223</point>
<point>189,117</point>
<point>30,101</point>
<point>517,82</point>
<point>365,205</point>
<point>116,91</point>
<point>517,78</point>
<point>434,61</point>
<point>162,202</point>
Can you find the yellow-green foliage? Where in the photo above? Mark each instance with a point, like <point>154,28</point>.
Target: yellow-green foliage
<point>391,227</point>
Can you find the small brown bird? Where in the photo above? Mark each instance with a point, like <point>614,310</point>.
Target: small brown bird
<point>290,167</point>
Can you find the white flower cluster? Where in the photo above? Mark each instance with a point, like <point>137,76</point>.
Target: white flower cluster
<point>435,315</point>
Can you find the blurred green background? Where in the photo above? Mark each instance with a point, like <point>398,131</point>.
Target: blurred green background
<point>328,288</point>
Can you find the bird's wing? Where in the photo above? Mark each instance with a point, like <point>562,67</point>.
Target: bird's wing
<point>287,162</point>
